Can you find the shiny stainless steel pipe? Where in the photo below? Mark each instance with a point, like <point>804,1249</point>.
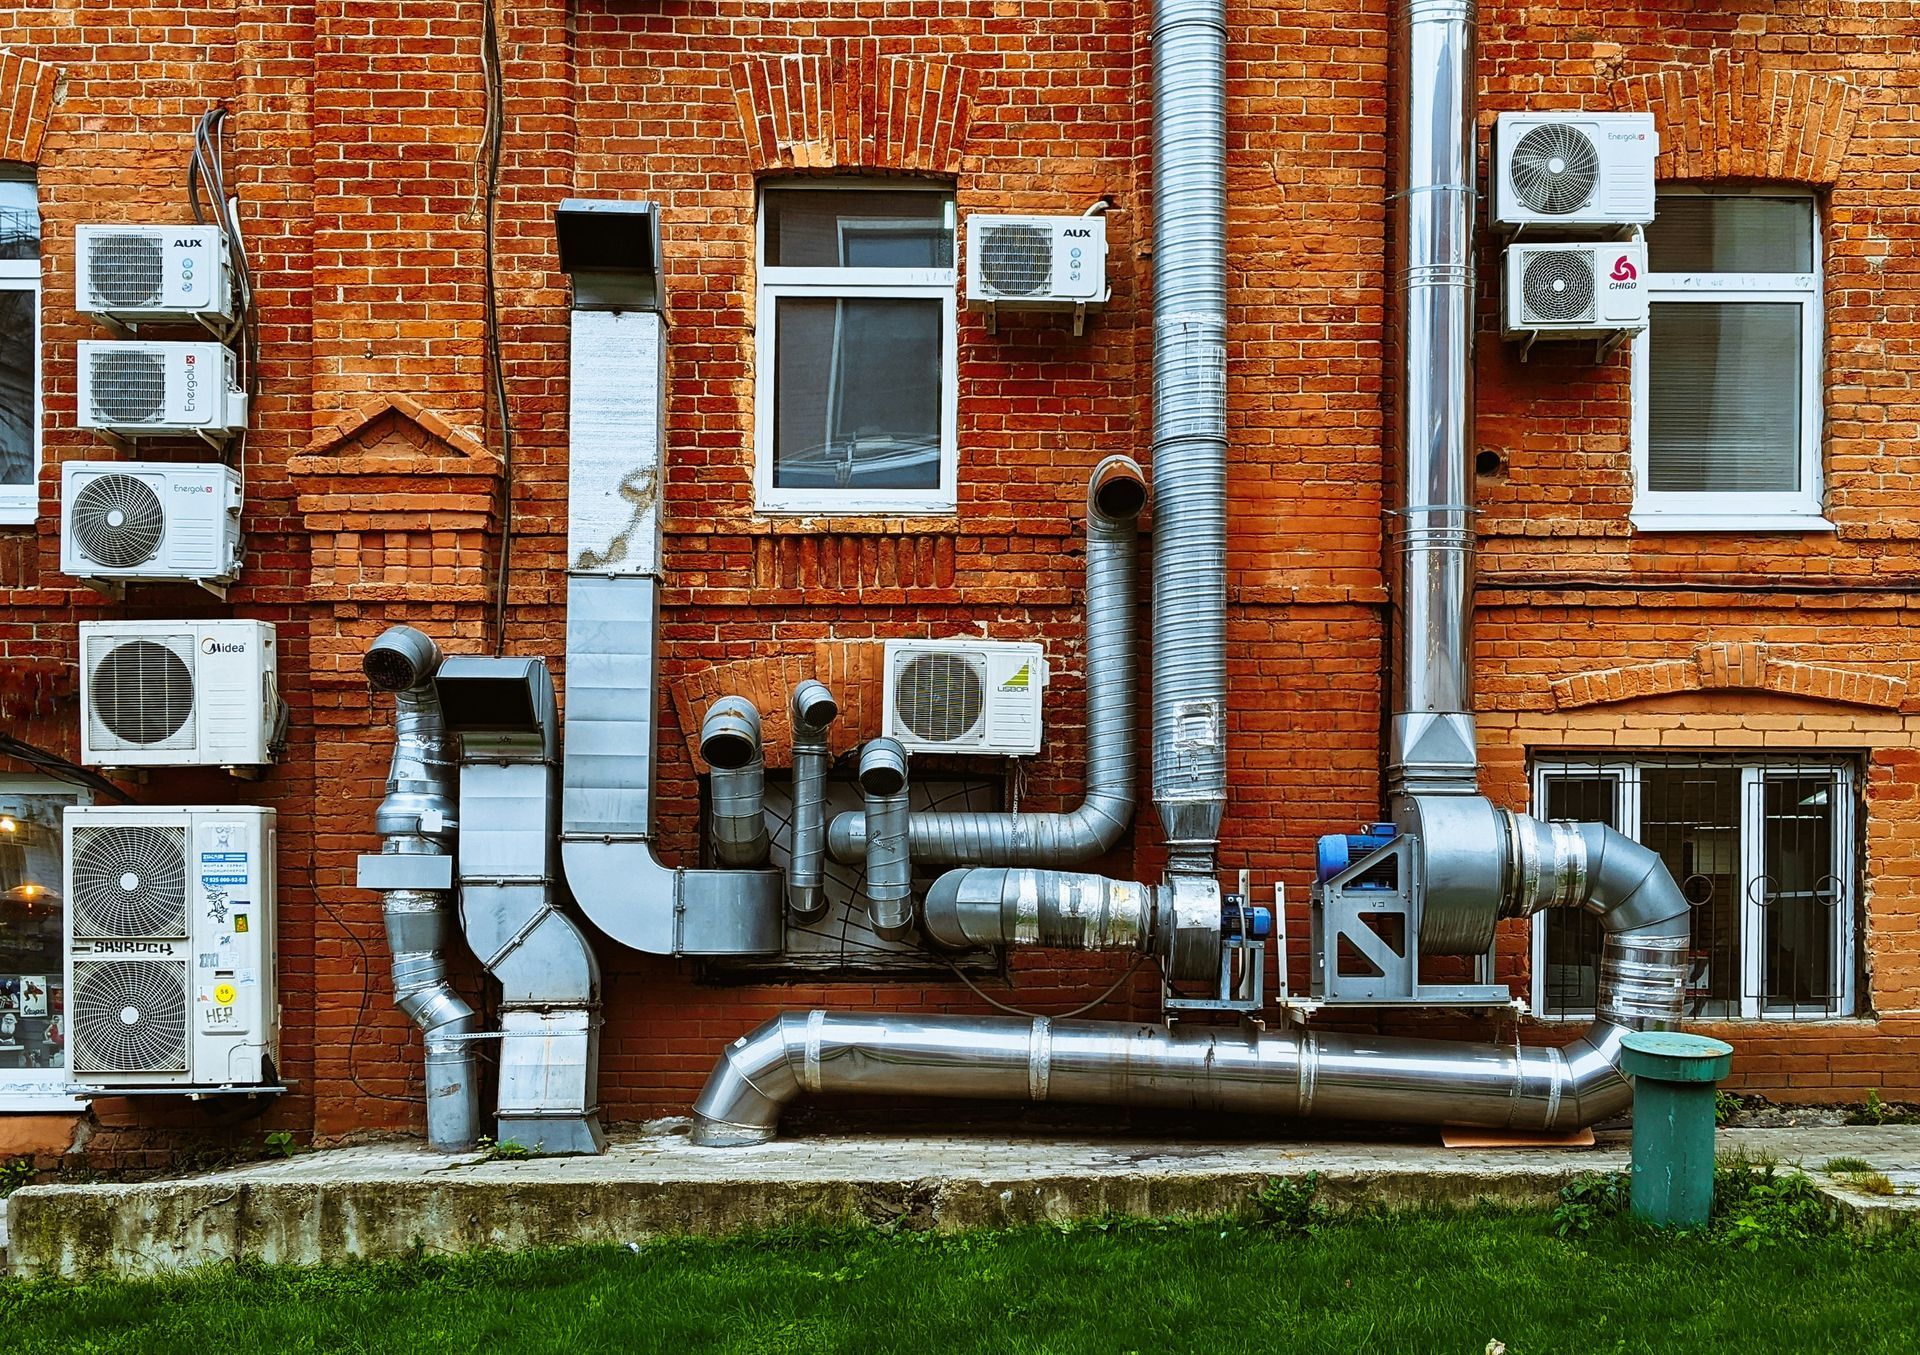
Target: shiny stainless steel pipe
<point>813,709</point>
<point>730,742</point>
<point>889,886</point>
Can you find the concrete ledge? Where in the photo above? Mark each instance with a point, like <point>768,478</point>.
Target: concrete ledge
<point>395,1201</point>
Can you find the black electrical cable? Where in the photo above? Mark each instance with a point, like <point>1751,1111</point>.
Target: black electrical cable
<point>60,769</point>
<point>490,145</point>
<point>207,178</point>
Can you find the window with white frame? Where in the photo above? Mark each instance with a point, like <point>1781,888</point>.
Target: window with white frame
<point>1728,377</point>
<point>855,383</point>
<point>1763,848</point>
<point>33,1016</point>
<point>19,345</point>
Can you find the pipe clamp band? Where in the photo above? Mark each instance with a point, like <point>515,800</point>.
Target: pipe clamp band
<point>1039,1058</point>
<point>810,1057</point>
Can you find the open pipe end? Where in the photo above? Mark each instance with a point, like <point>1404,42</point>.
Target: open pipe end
<point>883,767</point>
<point>1117,489</point>
<point>400,659</point>
<point>814,707</point>
<point>730,734</point>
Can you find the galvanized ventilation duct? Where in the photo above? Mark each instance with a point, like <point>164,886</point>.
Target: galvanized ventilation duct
<point>730,742</point>
<point>813,710</point>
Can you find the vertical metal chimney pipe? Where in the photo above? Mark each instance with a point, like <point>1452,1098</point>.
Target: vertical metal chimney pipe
<point>883,780</point>
<point>813,709</point>
<point>1432,744</point>
<point>730,742</point>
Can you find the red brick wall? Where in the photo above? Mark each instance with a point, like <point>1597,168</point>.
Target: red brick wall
<point>376,493</point>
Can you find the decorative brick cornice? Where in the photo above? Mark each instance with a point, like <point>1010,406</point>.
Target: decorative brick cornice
<point>1722,665</point>
<point>852,108</point>
<point>27,89</point>
<point>1727,118</point>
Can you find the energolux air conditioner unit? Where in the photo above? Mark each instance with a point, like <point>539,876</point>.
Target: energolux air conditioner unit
<point>964,696</point>
<point>177,693</point>
<point>144,521</point>
<point>133,389</point>
<point>154,275</point>
<point>1574,291</point>
<point>171,981</point>
<point>1036,262</point>
<point>1573,170</point>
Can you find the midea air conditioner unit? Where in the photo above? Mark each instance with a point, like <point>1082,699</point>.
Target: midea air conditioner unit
<point>1573,170</point>
<point>154,275</point>
<point>134,389</point>
<point>171,980</point>
<point>1570,291</point>
<point>964,696</point>
<point>1036,262</point>
<point>178,694</point>
<point>145,521</point>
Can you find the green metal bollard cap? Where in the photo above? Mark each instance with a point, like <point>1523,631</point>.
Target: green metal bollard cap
<point>1674,1056</point>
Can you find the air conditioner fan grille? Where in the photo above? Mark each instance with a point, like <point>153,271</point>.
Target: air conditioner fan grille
<point>118,521</point>
<point>127,387</point>
<point>129,1016</point>
<point>125,271</point>
<point>1557,285</point>
<point>129,880</point>
<point>141,691</point>
<point>939,698</point>
<point>1555,169</point>
<point>1016,257</point>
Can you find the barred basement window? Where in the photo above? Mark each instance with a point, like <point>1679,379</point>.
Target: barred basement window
<point>19,344</point>
<point>1764,849</point>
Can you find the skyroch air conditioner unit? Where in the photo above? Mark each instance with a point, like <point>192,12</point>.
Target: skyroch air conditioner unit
<point>965,696</point>
<point>146,521</point>
<point>132,275</point>
<point>178,693</point>
<point>1573,171</point>
<point>1036,262</point>
<point>1574,291</point>
<point>171,979</point>
<point>135,389</point>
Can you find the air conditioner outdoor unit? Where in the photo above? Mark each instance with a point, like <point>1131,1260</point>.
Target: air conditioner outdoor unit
<point>171,979</point>
<point>1573,170</point>
<point>1036,262</point>
<point>178,694</point>
<point>154,275</point>
<point>145,521</point>
<point>964,696</point>
<point>133,389</point>
<point>1575,291</point>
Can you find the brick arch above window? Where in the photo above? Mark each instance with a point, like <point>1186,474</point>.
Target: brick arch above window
<point>1733,119</point>
<point>852,108</point>
<point>26,105</point>
<point>1750,666</point>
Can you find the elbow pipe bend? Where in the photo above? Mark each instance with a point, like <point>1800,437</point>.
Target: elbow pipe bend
<point>730,742</point>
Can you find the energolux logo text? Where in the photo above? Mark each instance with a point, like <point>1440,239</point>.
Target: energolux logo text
<point>1626,136</point>
<point>201,488</point>
<point>1624,273</point>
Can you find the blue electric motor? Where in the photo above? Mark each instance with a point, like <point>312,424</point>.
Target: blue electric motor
<point>1340,850</point>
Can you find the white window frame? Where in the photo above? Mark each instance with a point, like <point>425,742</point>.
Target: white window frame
<point>772,283</point>
<point>43,1090</point>
<point>1626,774</point>
<point>20,504</point>
<point>1801,510</point>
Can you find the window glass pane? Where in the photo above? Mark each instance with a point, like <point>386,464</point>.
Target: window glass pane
<point>32,972</point>
<point>1691,816</point>
<point>1723,408</point>
<point>1697,234</point>
<point>19,220</point>
<point>857,393</point>
<point>855,228</point>
<point>1799,891</point>
<point>1573,938</point>
<point>18,345</point>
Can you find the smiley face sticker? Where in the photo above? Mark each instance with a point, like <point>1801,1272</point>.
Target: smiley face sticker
<point>224,994</point>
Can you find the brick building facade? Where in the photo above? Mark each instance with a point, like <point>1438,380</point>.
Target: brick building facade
<point>1610,652</point>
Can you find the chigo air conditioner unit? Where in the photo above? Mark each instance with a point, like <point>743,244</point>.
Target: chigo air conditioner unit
<point>171,981</point>
<point>134,275</point>
<point>1573,171</point>
<point>1036,262</point>
<point>136,389</point>
<point>964,696</point>
<point>146,521</point>
<point>178,694</point>
<point>1570,291</point>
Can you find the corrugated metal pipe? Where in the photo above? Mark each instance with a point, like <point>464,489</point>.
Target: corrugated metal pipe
<point>414,873</point>
<point>889,887</point>
<point>1289,1073</point>
<point>813,710</point>
<point>730,742</point>
<point>1116,492</point>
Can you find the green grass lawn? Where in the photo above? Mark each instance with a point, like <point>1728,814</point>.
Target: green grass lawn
<point>1398,1283</point>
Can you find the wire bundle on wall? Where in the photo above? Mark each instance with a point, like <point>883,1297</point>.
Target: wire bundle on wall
<point>207,196</point>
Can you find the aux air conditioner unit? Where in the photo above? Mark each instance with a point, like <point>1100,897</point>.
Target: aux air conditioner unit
<point>1573,291</point>
<point>171,981</point>
<point>144,521</point>
<point>1582,171</point>
<point>1036,262</point>
<point>154,275</point>
<point>964,696</point>
<point>177,694</point>
<point>136,389</point>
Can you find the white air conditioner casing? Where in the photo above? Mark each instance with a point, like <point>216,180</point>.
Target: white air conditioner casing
<point>133,388</point>
<point>1574,291</point>
<point>1036,262</point>
<point>171,980</point>
<point>965,696</point>
<point>153,275</point>
<point>145,521</point>
<point>1573,171</point>
<point>177,693</point>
